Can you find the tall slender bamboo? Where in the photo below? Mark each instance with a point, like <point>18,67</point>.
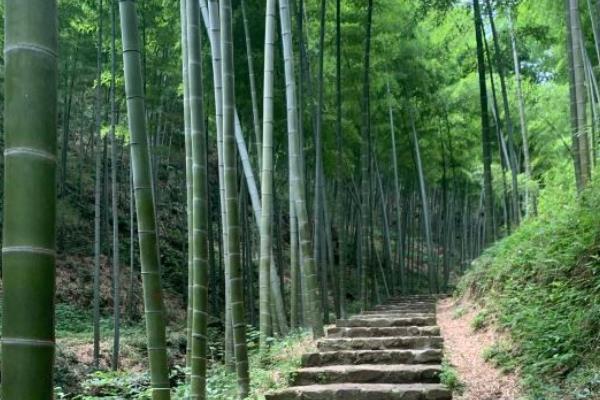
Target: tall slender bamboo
<point>199,204</point>
<point>431,271</point>
<point>214,32</point>
<point>253,93</point>
<point>364,161</point>
<point>485,127</point>
<point>97,192</point>
<point>232,223</point>
<point>29,252</point>
<point>399,255</point>
<point>266,228</point>
<point>387,243</point>
<point>522,113</point>
<point>319,251</point>
<point>188,182</point>
<point>580,94</point>
<point>508,120</point>
<point>115,193</point>
<point>144,200</point>
<point>338,138</point>
<point>310,276</point>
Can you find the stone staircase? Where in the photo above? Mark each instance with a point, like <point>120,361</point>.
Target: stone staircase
<point>393,352</point>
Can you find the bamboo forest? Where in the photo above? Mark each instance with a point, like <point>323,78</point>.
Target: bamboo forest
<point>300,200</point>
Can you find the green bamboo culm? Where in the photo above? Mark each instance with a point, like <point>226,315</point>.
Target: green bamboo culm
<point>29,252</point>
<point>200,206</point>
<point>144,202</point>
<point>308,270</point>
<point>267,175</point>
<point>188,184</point>
<point>231,201</point>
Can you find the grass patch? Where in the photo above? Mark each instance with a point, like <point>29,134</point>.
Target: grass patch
<point>459,312</point>
<point>449,377</point>
<point>481,320</point>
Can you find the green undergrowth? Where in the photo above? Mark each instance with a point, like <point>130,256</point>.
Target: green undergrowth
<point>268,371</point>
<point>542,286</point>
<point>449,377</point>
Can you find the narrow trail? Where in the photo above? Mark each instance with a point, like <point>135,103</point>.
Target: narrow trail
<point>393,352</point>
<point>464,348</point>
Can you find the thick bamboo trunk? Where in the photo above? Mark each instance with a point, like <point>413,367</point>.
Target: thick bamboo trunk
<point>28,248</point>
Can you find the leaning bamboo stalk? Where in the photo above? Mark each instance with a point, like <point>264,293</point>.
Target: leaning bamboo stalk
<point>253,95</point>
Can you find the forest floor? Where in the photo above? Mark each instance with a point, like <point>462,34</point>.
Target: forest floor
<point>465,344</point>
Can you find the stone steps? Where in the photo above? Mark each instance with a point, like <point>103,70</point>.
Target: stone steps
<point>361,391</point>
<point>368,373</point>
<point>382,322</point>
<point>353,357</point>
<point>394,314</point>
<point>393,352</point>
<point>381,343</point>
<point>384,331</point>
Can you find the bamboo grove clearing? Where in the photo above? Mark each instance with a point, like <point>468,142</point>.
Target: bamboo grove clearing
<point>155,182</point>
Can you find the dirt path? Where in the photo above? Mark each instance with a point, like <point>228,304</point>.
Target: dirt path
<point>464,349</point>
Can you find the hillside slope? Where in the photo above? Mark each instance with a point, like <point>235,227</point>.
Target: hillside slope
<point>542,286</point>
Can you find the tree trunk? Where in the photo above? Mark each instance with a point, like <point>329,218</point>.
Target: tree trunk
<point>232,223</point>
<point>253,92</point>
<point>364,160</point>
<point>144,196</point>
<point>399,256</point>
<point>115,193</point>
<point>97,193</point>
<point>29,250</point>
<point>580,95</point>
<point>199,204</point>
<point>266,222</point>
<point>319,228</point>
<point>310,277</point>
<point>509,124</point>
<point>188,184</point>
<point>431,271</point>
<point>485,127</point>
<point>522,114</point>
